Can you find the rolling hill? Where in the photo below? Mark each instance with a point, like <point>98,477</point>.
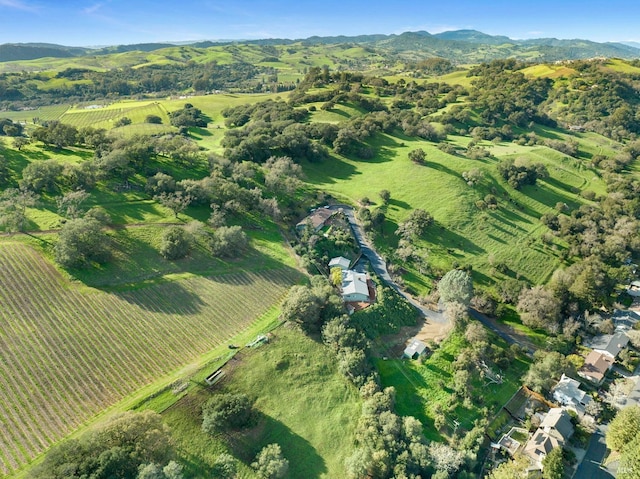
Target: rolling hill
<point>461,46</point>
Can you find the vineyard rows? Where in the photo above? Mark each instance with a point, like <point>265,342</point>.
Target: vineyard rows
<point>104,117</point>
<point>45,113</point>
<point>66,354</point>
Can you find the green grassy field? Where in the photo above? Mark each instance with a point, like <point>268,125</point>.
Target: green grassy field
<point>463,233</point>
<point>106,114</point>
<point>304,405</point>
<point>421,387</point>
<point>72,351</point>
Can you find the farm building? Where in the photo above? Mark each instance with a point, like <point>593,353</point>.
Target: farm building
<point>354,287</point>
<point>316,220</point>
<point>415,349</point>
<point>339,262</point>
<point>595,367</point>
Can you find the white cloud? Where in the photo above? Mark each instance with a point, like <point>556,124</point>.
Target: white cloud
<point>90,10</point>
<point>17,5</point>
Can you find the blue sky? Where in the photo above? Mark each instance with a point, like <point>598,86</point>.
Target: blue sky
<point>108,22</point>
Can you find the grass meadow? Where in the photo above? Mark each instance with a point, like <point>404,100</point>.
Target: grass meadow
<point>303,403</point>
<point>462,232</point>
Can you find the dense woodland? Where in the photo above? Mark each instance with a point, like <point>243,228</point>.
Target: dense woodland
<point>258,176</point>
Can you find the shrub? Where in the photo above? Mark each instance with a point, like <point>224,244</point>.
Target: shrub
<point>175,243</point>
<point>226,411</point>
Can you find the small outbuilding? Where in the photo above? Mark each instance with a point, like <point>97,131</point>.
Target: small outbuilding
<point>339,262</point>
<point>634,289</point>
<point>415,349</point>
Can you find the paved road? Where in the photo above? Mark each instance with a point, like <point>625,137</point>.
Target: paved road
<point>527,346</point>
<point>590,467</point>
<point>380,267</point>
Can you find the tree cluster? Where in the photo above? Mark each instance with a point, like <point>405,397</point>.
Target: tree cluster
<point>623,436</point>
<point>9,128</point>
<point>226,411</point>
<point>311,306</point>
<point>188,116</point>
<point>520,172</point>
<point>386,444</point>
<point>129,445</point>
<point>414,225</point>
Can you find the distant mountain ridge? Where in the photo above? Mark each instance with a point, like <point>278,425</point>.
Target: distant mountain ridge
<point>458,46</point>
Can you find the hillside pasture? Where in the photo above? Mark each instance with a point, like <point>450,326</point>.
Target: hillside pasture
<point>303,403</point>
<point>463,233</point>
<point>69,352</point>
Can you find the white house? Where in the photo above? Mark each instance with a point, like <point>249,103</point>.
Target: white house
<point>339,262</point>
<point>634,289</point>
<point>354,286</point>
<point>568,393</point>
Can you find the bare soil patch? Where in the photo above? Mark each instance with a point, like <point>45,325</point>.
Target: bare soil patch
<point>424,330</point>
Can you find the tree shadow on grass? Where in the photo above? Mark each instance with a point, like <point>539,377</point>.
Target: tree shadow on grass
<point>549,133</point>
<point>168,298</point>
<point>329,170</point>
<point>441,167</point>
<point>304,460</point>
<point>550,197</point>
<point>338,111</point>
<point>496,239</point>
<point>409,385</point>
<point>16,161</point>
<point>437,370</point>
<point>399,203</point>
<point>440,235</point>
<point>200,131</point>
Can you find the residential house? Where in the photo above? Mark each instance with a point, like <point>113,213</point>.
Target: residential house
<point>539,446</point>
<point>634,289</point>
<point>554,431</point>
<point>317,219</point>
<point>595,367</point>
<point>610,344</point>
<point>355,287</point>
<point>339,262</point>
<point>415,349</point>
<point>624,320</point>
<point>568,393</point>
<point>557,423</point>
